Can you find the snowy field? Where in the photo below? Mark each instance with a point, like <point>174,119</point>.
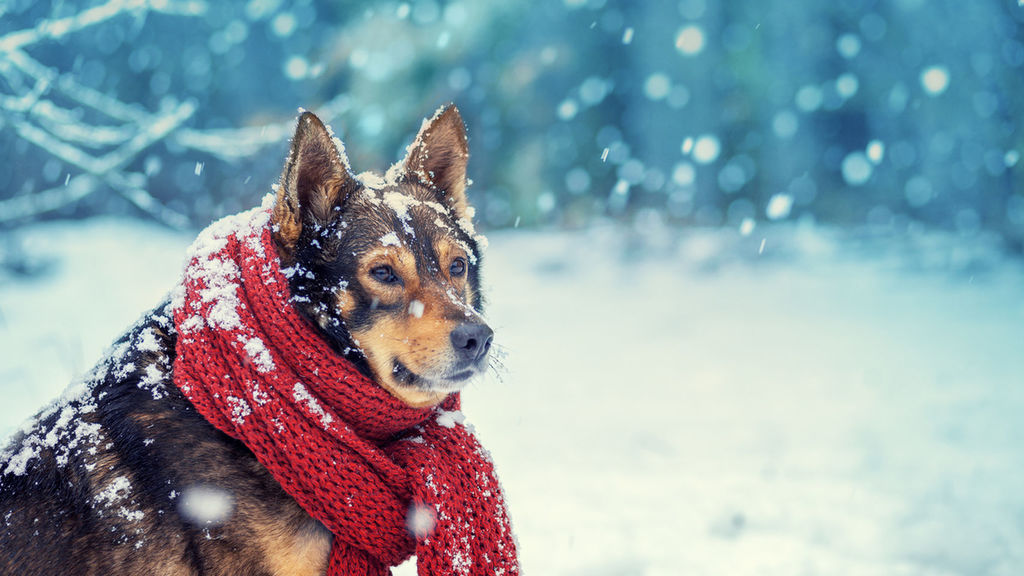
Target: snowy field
<point>790,403</point>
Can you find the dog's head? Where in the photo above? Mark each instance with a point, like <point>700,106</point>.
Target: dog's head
<point>387,267</point>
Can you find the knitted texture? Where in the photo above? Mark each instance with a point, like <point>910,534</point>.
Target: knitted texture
<point>387,480</point>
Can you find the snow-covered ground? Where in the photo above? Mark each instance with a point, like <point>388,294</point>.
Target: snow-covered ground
<point>673,404</point>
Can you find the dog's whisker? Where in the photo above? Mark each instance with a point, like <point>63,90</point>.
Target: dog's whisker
<point>499,375</point>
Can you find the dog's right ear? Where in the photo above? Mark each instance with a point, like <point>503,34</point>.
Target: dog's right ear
<point>314,184</point>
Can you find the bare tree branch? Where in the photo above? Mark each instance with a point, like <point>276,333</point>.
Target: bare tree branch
<point>28,206</point>
<point>61,133</point>
<point>100,134</point>
<point>60,27</point>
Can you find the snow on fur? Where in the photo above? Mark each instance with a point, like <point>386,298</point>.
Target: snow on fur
<point>390,239</point>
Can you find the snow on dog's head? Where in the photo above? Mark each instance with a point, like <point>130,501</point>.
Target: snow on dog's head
<point>387,265</point>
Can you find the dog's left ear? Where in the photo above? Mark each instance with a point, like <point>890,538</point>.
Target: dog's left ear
<point>438,157</point>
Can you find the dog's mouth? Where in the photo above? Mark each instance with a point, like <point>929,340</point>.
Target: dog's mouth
<point>448,382</point>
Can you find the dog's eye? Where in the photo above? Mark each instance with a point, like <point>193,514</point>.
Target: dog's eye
<point>458,267</point>
<point>384,274</point>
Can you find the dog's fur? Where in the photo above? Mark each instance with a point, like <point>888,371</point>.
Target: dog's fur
<point>110,467</point>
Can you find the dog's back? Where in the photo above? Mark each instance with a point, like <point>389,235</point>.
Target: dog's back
<point>100,482</point>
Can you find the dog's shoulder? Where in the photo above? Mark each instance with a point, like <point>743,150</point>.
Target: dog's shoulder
<point>101,479</point>
<point>85,478</point>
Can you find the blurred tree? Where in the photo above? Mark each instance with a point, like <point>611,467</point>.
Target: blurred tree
<point>856,113</point>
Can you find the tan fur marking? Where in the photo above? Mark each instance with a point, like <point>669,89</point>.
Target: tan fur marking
<point>298,554</point>
<point>414,397</point>
<point>448,250</point>
<point>346,301</point>
<point>415,342</point>
<point>288,226</point>
<point>401,261</point>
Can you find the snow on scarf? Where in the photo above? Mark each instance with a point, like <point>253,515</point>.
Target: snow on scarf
<point>387,480</point>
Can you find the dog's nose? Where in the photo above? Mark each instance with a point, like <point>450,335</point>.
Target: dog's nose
<point>472,341</point>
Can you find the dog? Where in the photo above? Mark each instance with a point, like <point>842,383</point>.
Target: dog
<point>109,479</point>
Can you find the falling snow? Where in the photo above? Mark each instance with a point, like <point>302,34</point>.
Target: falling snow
<point>768,173</point>
<point>856,168</point>
<point>706,149</point>
<point>779,206</point>
<point>690,40</point>
<point>416,309</point>
<point>747,226</point>
<point>206,505</point>
<point>935,80</point>
<point>421,520</point>
<point>875,151</point>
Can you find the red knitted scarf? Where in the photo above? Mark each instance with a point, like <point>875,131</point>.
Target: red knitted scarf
<point>387,480</point>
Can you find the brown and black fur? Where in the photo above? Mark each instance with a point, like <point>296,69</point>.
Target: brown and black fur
<point>64,514</point>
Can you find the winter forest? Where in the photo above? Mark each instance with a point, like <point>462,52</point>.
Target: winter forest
<point>756,268</point>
